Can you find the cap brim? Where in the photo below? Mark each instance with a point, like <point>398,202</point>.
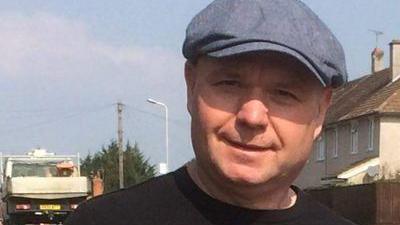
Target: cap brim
<point>265,46</point>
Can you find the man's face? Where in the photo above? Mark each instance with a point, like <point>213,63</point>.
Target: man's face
<point>254,117</point>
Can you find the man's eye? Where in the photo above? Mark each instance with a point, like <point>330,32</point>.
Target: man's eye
<point>286,94</point>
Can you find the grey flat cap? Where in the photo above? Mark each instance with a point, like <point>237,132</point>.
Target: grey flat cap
<point>231,27</point>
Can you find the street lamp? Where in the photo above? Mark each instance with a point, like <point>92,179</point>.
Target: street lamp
<point>163,170</point>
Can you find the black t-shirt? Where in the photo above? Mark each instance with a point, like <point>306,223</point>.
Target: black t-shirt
<point>174,199</point>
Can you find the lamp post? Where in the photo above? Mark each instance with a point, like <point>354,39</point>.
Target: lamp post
<point>166,131</point>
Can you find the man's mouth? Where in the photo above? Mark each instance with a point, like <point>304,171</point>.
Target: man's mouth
<point>248,146</point>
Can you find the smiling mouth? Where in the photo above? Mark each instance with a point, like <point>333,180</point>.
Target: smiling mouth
<point>248,147</point>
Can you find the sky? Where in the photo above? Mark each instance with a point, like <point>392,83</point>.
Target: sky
<point>65,64</point>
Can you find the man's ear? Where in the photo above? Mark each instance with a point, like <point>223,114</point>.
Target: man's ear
<point>190,78</point>
<point>324,103</point>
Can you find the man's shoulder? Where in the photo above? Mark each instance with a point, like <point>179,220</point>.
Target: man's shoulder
<point>129,203</point>
<point>142,193</point>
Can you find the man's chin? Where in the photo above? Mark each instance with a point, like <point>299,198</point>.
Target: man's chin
<point>247,177</point>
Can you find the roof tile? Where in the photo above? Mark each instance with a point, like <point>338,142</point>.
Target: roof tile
<point>364,96</point>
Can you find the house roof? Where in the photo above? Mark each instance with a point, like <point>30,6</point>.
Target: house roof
<point>359,167</point>
<point>373,93</point>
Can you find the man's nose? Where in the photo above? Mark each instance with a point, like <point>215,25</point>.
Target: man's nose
<point>253,113</point>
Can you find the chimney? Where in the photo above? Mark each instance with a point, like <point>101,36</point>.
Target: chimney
<point>377,60</point>
<point>97,185</point>
<point>395,59</point>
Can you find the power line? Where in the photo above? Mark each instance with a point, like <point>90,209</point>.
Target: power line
<point>69,116</point>
<point>175,121</point>
<point>53,110</point>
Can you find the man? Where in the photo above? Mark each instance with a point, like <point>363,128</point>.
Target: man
<point>259,76</point>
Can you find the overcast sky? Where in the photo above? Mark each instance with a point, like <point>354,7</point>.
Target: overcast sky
<point>64,65</point>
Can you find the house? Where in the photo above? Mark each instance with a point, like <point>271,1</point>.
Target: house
<point>360,141</point>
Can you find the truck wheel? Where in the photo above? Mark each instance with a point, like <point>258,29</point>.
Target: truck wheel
<point>13,221</point>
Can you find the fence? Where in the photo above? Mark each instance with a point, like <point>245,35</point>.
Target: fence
<point>367,204</point>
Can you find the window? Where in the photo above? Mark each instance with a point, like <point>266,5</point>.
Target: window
<point>40,169</point>
<point>371,134</point>
<point>335,153</point>
<point>320,148</point>
<point>354,137</point>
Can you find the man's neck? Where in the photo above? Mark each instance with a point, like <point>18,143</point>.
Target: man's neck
<point>253,197</point>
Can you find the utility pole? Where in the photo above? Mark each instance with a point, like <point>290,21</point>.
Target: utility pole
<point>120,107</point>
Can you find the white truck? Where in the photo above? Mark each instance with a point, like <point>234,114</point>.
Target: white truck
<point>41,187</point>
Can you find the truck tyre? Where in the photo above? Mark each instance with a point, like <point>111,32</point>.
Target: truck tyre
<point>7,222</point>
<point>13,221</point>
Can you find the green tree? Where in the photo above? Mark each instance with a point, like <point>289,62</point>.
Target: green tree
<point>136,168</point>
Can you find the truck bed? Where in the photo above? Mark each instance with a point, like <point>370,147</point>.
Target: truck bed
<point>47,187</point>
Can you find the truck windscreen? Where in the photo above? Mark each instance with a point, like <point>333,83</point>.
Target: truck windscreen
<point>34,170</point>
